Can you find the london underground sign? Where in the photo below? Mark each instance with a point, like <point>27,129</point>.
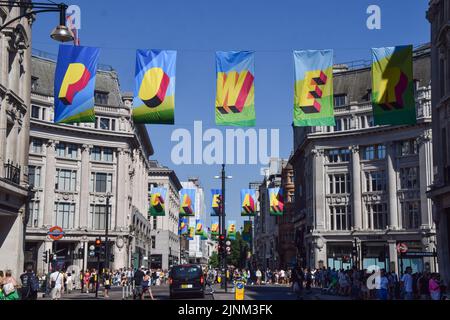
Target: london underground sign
<point>55,233</point>
<point>402,248</point>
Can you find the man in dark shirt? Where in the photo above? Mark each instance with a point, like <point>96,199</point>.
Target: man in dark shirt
<point>138,279</point>
<point>30,284</point>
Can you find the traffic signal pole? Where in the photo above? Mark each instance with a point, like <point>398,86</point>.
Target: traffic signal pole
<point>222,230</point>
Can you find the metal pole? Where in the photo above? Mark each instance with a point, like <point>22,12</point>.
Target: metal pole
<point>222,230</point>
<point>106,233</point>
<point>98,271</point>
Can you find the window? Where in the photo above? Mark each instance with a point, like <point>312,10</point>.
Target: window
<point>333,155</point>
<point>409,178</point>
<point>101,182</point>
<point>61,150</point>
<point>339,100</point>
<point>65,214</point>
<point>375,181</point>
<point>33,219</point>
<point>96,154</point>
<point>34,176</point>
<point>107,154</point>
<point>338,155</point>
<point>102,154</point>
<point>374,152</point>
<point>411,214</point>
<point>35,111</point>
<point>101,97</point>
<point>370,122</point>
<point>104,123</point>
<point>377,216</point>
<point>67,150</point>
<point>338,125</point>
<point>34,83</point>
<point>36,145</point>
<point>65,180</point>
<point>408,147</point>
<point>155,223</point>
<point>340,218</point>
<point>339,183</point>
<point>98,215</point>
<point>153,242</point>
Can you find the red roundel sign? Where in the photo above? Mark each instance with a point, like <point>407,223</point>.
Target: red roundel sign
<point>56,233</point>
<point>402,248</point>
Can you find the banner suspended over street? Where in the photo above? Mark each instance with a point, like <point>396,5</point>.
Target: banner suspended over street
<point>74,84</point>
<point>248,202</point>
<point>154,93</point>
<point>204,235</point>
<point>215,227</point>
<point>231,230</point>
<point>235,94</point>
<point>313,88</point>
<point>392,86</point>
<point>157,200</point>
<point>183,226</point>
<point>247,232</point>
<point>191,233</point>
<point>199,228</point>
<point>276,201</point>
<point>216,196</point>
<point>187,202</point>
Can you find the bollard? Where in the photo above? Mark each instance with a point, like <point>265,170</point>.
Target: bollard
<point>123,292</point>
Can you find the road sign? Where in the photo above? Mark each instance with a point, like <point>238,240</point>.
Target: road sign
<point>402,248</point>
<point>419,254</point>
<point>239,291</point>
<point>55,233</point>
<point>228,243</point>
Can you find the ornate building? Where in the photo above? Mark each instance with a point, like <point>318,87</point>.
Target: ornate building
<point>74,169</point>
<point>361,188</point>
<point>15,81</point>
<point>166,243</point>
<point>439,16</point>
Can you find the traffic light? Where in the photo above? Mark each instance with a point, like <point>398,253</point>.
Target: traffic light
<point>51,257</point>
<point>98,246</point>
<point>45,256</point>
<point>228,247</point>
<point>221,245</point>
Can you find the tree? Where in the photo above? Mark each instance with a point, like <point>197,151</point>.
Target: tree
<point>239,249</point>
<point>214,260</point>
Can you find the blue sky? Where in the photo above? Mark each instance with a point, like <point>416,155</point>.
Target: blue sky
<point>198,28</point>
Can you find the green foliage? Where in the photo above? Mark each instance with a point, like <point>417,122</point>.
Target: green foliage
<point>214,260</point>
<point>238,254</point>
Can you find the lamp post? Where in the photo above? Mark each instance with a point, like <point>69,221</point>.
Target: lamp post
<point>223,256</point>
<point>60,32</point>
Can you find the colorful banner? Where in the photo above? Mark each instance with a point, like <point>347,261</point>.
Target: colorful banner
<point>157,202</point>
<point>276,201</point>
<point>392,86</point>
<point>248,202</point>
<point>74,84</point>
<point>215,227</point>
<point>183,226</point>
<point>199,227</point>
<point>187,202</point>
<point>247,232</point>
<point>235,93</point>
<point>204,235</point>
<point>231,230</point>
<point>216,196</point>
<point>313,89</point>
<point>154,93</point>
<point>191,233</point>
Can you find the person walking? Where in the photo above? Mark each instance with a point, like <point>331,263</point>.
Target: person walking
<point>87,280</point>
<point>258,277</point>
<point>56,284</point>
<point>138,279</point>
<point>30,284</point>
<point>423,286</point>
<point>297,281</point>
<point>146,285</point>
<point>434,287</point>
<point>406,284</point>
<point>9,287</point>
<point>382,285</point>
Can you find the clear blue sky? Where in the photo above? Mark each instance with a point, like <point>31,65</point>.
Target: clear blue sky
<point>198,28</point>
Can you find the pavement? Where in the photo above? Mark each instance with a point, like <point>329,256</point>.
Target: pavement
<point>252,292</point>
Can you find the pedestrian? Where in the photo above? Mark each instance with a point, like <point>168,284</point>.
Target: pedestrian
<point>434,287</point>
<point>69,282</point>
<point>30,284</point>
<point>382,285</point>
<point>423,286</point>
<point>308,278</point>
<point>406,284</point>
<point>138,278</point>
<point>9,287</point>
<point>258,277</point>
<point>297,282</point>
<point>87,280</point>
<point>146,285</point>
<point>106,282</point>
<point>56,284</point>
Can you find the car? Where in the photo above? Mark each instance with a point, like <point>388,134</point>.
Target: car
<point>186,280</point>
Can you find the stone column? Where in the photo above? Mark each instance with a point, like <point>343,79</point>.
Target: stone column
<point>392,187</point>
<point>393,257</point>
<point>356,188</point>
<point>85,253</point>
<point>84,187</point>
<point>49,184</point>
<point>425,177</point>
<point>122,188</point>
<point>3,124</point>
<point>320,252</point>
<point>319,190</point>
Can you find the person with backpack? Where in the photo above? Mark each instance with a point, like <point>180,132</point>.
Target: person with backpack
<point>30,284</point>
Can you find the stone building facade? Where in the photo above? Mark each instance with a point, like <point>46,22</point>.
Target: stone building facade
<point>15,81</point>
<point>356,183</point>
<point>166,243</point>
<point>439,16</point>
<point>74,169</point>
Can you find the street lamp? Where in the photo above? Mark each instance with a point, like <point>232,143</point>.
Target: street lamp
<point>223,256</point>
<point>60,33</point>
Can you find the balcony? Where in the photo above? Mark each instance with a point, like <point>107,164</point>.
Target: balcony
<point>12,172</point>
